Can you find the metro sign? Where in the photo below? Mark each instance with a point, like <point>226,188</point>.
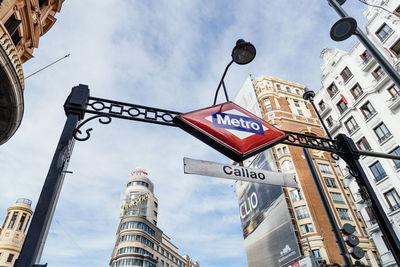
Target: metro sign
<point>230,129</point>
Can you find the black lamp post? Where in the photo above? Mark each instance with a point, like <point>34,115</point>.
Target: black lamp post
<point>242,54</point>
<point>347,26</point>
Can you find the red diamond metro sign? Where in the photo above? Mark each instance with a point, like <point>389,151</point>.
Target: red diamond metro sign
<point>230,129</point>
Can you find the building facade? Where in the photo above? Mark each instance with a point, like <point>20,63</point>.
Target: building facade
<point>358,98</point>
<point>139,242</point>
<point>12,231</point>
<point>282,105</point>
<point>22,23</point>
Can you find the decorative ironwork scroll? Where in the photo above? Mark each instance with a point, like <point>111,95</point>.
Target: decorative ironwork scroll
<point>310,141</point>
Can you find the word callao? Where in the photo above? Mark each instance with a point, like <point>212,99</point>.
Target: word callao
<point>243,172</point>
<point>236,122</point>
<point>136,201</point>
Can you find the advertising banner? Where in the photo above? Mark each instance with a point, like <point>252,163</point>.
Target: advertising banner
<point>267,229</point>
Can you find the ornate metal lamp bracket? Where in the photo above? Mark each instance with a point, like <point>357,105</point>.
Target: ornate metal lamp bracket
<point>105,110</point>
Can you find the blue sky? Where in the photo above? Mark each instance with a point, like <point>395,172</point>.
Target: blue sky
<point>166,54</point>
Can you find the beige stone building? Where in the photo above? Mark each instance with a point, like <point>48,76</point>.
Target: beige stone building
<point>12,231</point>
<point>139,242</point>
<point>282,105</point>
<point>22,23</point>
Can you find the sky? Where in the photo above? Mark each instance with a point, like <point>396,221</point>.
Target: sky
<point>165,54</point>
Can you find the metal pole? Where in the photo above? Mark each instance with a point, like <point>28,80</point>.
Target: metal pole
<point>312,257</point>
<point>320,119</point>
<point>334,227</point>
<point>36,237</point>
<point>222,82</point>
<point>386,66</point>
<point>378,154</point>
<point>350,155</point>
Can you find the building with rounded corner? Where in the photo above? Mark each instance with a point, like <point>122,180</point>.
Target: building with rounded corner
<point>12,231</point>
<point>22,23</point>
<point>139,242</point>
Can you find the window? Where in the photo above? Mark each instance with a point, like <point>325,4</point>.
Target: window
<point>21,222</point>
<point>5,220</point>
<point>394,91</point>
<point>378,171</point>
<point>343,214</point>
<point>288,89</point>
<point>356,91</point>
<point>367,110</point>
<point>346,74</point>
<point>10,257</point>
<point>321,105</point>
<point>363,144</point>
<point>365,56</point>
<point>396,48</point>
<point>162,262</point>
<point>351,125</point>
<point>12,221</point>
<point>350,199</point>
<point>155,213</point>
<point>337,197</point>
<point>316,253</point>
<point>330,182</point>
<point>298,92</point>
<point>302,212</point>
<point>382,132</point>
<point>278,87</point>
<point>279,152</point>
<point>324,168</point>
<point>285,150</point>
<point>358,216</point>
<point>383,32</point>
<point>332,90</point>
<point>342,106</point>
<point>378,73</point>
<point>397,10</point>
<point>296,195</point>
<point>12,25</point>
<point>329,121</point>
<point>396,151</point>
<point>364,230</point>
<point>296,103</point>
<point>300,112</point>
<point>155,204</point>
<point>267,104</point>
<point>392,199</point>
<point>378,261</point>
<point>306,228</point>
<point>287,165</point>
<point>42,3</point>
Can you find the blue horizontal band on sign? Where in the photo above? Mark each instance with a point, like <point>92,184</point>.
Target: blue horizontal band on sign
<point>237,122</point>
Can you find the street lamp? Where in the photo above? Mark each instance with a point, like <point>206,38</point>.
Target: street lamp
<point>242,54</point>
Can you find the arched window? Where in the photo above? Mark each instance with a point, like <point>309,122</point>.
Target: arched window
<point>287,165</point>
<point>285,150</point>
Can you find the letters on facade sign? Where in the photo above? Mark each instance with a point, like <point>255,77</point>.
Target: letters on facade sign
<point>137,201</point>
<point>236,122</point>
<point>242,172</point>
<point>248,205</point>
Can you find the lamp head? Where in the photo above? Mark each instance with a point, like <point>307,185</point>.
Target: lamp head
<point>243,53</point>
<point>308,94</point>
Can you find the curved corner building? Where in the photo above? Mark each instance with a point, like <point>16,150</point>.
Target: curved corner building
<point>12,231</point>
<point>22,23</point>
<point>139,242</point>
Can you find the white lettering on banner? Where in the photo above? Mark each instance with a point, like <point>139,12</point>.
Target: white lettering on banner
<point>249,205</point>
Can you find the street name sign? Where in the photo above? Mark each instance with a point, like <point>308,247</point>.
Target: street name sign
<point>227,171</point>
<point>230,129</point>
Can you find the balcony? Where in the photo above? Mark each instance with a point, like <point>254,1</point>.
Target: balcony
<point>381,79</point>
<point>353,130</point>
<point>335,125</point>
<point>325,109</point>
<point>383,138</point>
<point>367,64</point>
<point>11,87</point>
<point>394,102</point>
<point>395,207</point>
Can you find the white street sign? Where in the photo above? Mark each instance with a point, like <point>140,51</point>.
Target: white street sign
<point>208,168</point>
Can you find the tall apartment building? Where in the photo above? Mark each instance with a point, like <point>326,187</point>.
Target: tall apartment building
<point>22,23</point>
<point>282,105</point>
<point>358,98</point>
<point>12,231</point>
<point>139,242</point>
